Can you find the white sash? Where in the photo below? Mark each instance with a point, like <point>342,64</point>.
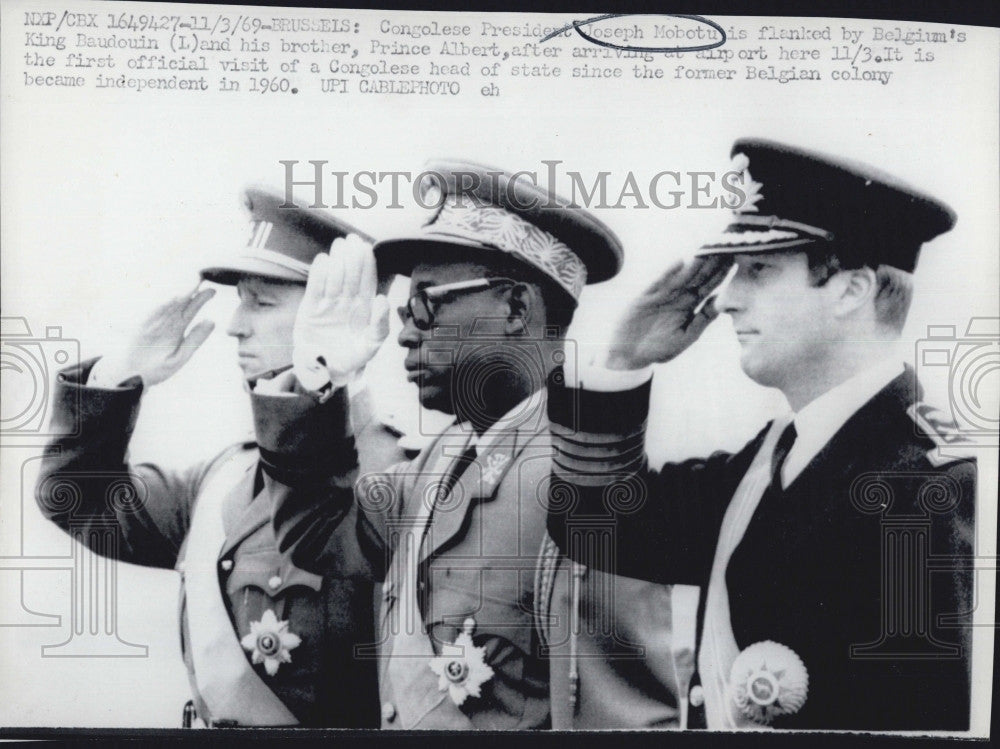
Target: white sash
<point>226,681</point>
<point>718,644</point>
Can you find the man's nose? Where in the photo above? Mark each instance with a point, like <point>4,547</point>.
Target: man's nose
<point>239,326</point>
<point>729,298</point>
<point>409,335</point>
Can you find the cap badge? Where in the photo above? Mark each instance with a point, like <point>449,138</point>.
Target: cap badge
<point>461,667</point>
<point>768,680</point>
<point>751,188</point>
<point>431,191</point>
<point>259,232</point>
<point>270,641</point>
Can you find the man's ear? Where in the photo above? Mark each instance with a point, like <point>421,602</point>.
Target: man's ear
<point>854,289</point>
<point>522,301</point>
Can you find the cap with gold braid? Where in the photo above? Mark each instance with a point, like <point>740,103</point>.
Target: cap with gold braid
<point>485,210</point>
<point>282,241</point>
<point>799,200</point>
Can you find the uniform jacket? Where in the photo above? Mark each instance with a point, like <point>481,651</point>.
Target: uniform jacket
<point>613,657</point>
<point>477,562</point>
<point>614,661</point>
<point>302,448</point>
<point>860,565</point>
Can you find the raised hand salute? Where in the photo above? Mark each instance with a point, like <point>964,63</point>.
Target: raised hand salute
<point>341,321</point>
<point>162,344</point>
<point>260,646</point>
<point>669,316</point>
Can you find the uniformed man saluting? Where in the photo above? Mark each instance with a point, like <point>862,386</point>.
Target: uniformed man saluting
<point>265,642</point>
<point>494,280</point>
<point>815,545</point>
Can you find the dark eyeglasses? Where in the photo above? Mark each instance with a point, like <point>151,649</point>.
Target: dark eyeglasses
<point>424,305</point>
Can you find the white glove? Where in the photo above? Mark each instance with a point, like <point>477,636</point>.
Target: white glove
<point>341,323</point>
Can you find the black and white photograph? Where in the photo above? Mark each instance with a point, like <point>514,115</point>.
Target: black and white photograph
<point>412,370</point>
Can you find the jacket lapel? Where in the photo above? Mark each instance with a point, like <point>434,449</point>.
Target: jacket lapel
<point>796,536</point>
<point>452,509</point>
<point>477,483</point>
<point>243,512</point>
<point>863,434</point>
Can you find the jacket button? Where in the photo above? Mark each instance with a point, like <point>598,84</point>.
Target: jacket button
<point>388,712</point>
<point>697,696</point>
<point>274,582</point>
<point>226,564</point>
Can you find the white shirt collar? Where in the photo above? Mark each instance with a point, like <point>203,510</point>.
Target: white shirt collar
<point>818,421</point>
<point>283,385</point>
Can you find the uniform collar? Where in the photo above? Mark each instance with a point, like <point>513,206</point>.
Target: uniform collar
<point>818,421</point>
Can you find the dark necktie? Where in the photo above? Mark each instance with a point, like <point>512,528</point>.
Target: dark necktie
<point>781,450</point>
<point>769,504</point>
<point>467,458</point>
<point>447,483</point>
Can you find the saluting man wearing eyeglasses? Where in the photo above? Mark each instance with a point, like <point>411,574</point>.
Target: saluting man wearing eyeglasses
<point>495,277</point>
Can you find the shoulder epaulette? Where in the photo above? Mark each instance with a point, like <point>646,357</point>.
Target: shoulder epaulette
<point>950,442</point>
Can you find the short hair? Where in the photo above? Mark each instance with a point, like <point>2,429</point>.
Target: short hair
<point>894,287</point>
<point>894,295</point>
<point>559,304</point>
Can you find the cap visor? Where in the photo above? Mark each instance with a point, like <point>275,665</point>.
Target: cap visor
<point>400,255</point>
<point>752,249</point>
<point>231,272</point>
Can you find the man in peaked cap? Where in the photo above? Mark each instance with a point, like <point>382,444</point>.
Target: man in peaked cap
<point>495,276</point>
<point>266,643</point>
<point>816,545</point>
